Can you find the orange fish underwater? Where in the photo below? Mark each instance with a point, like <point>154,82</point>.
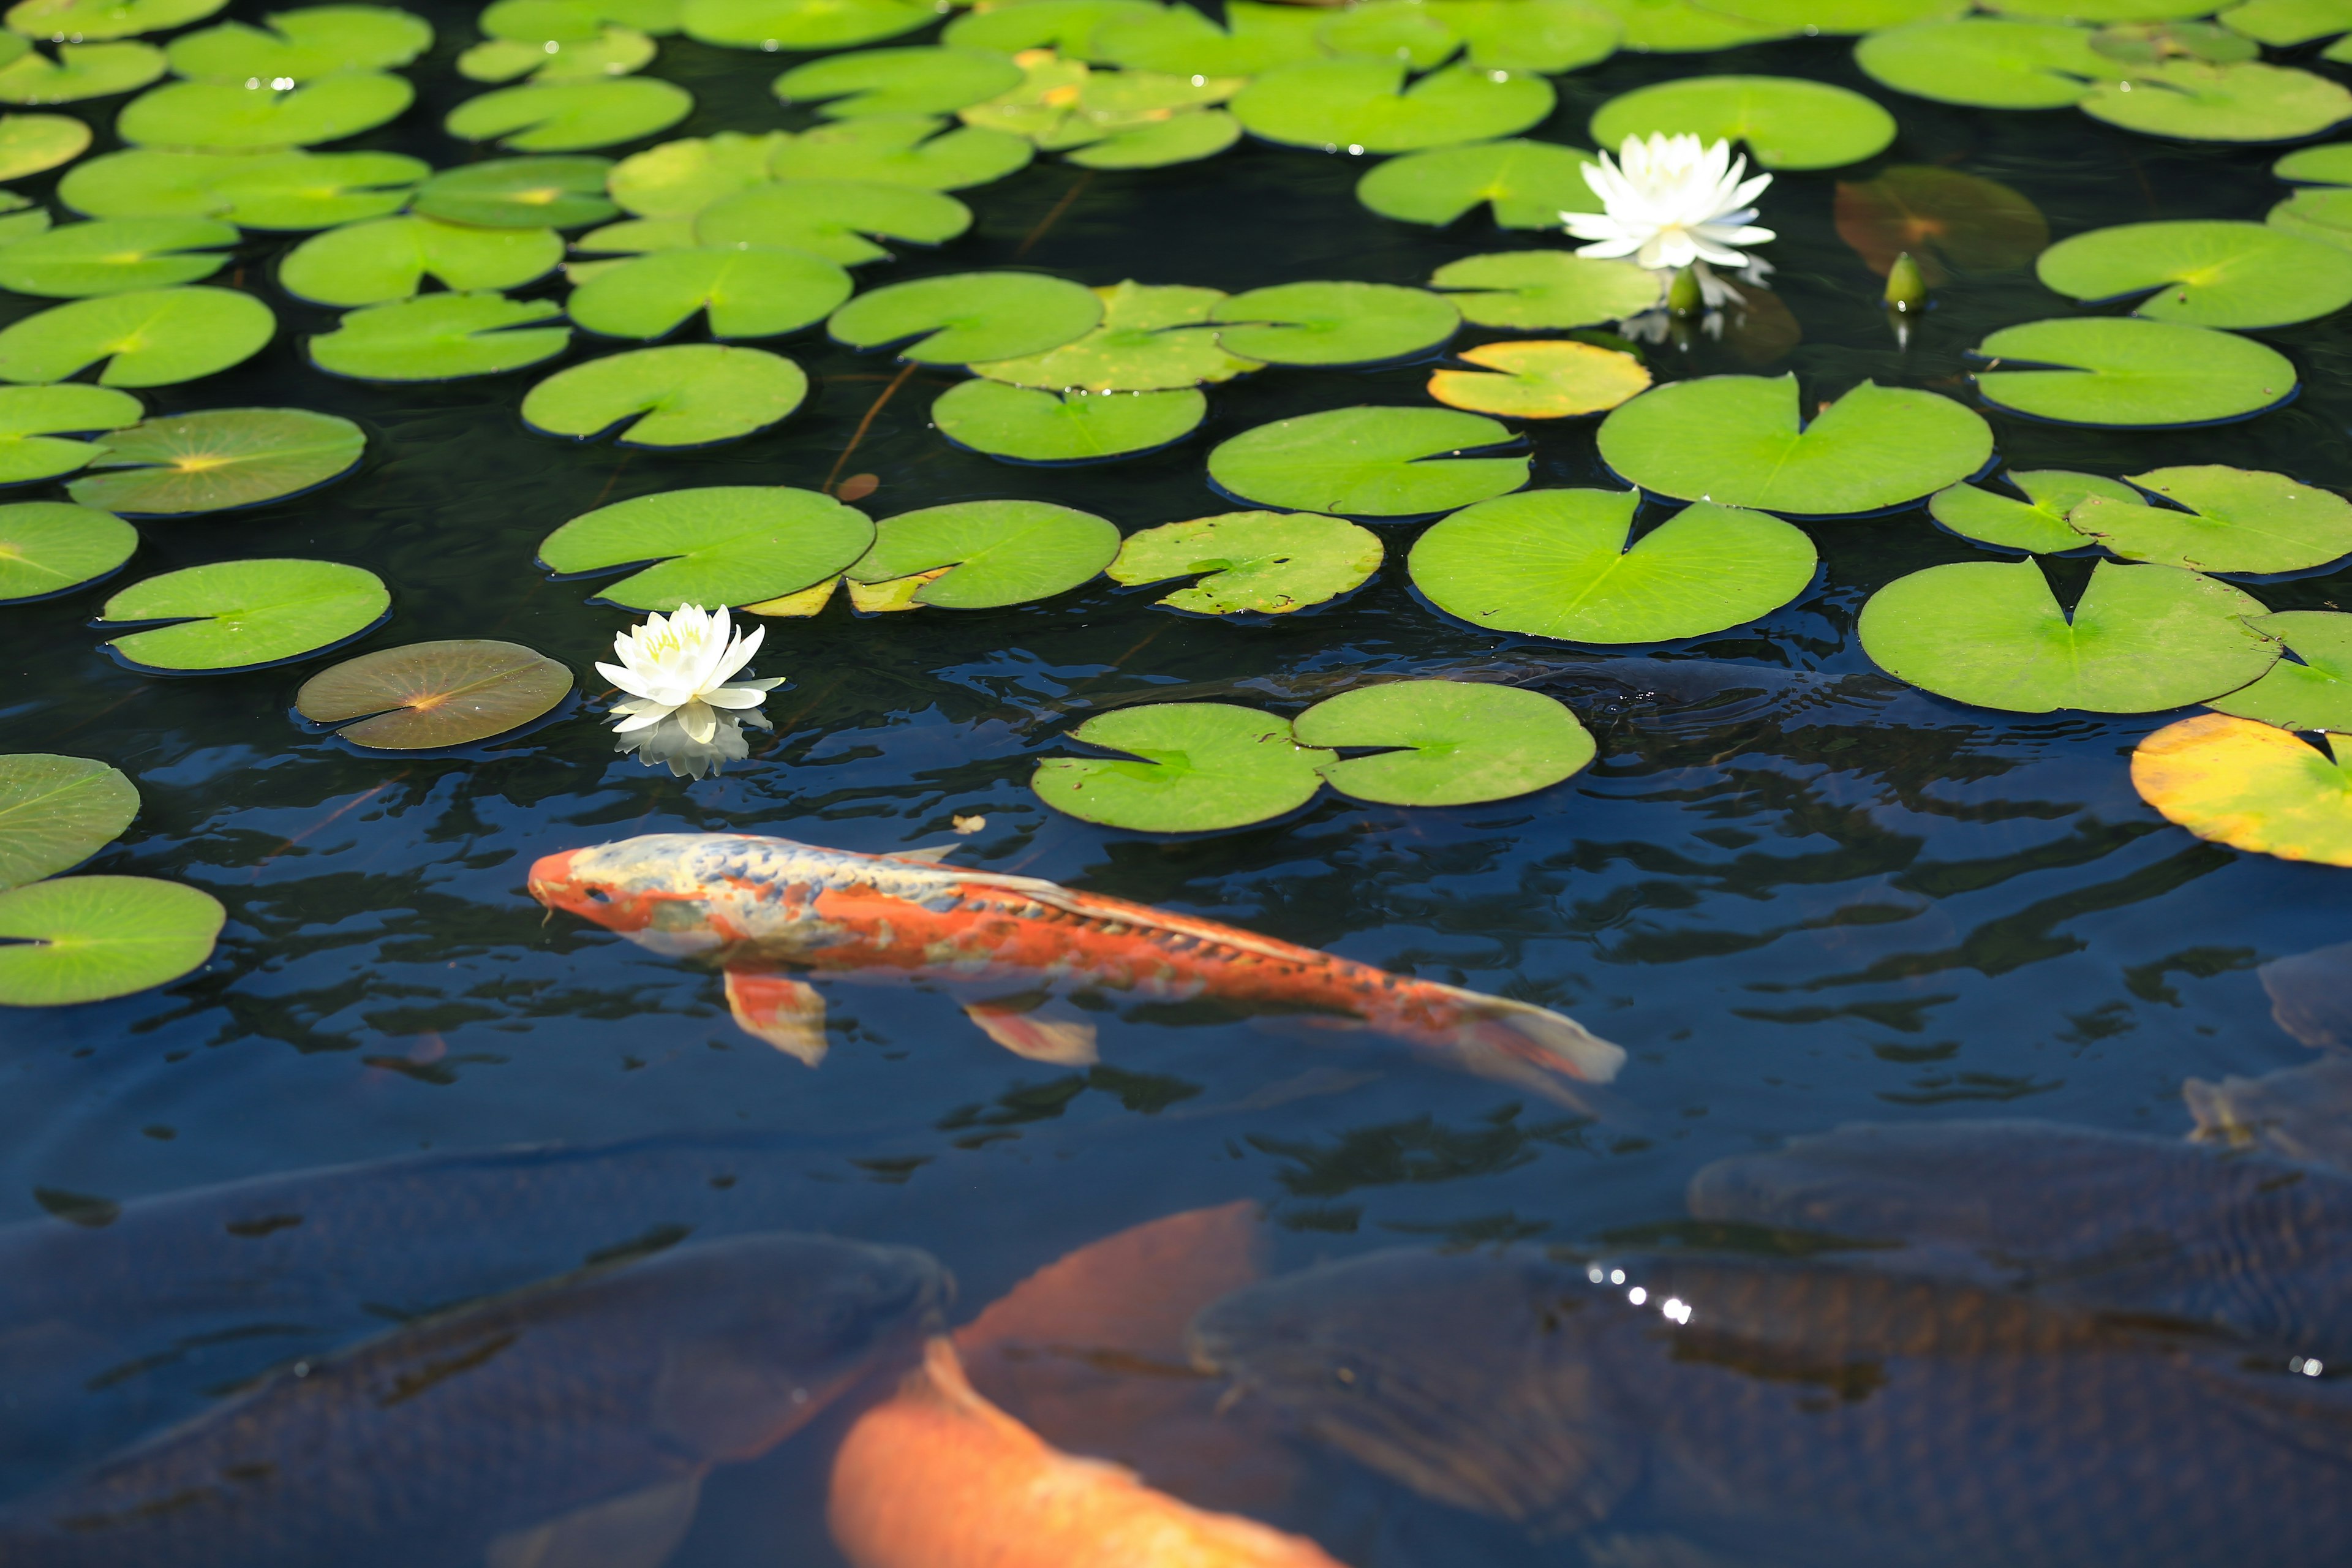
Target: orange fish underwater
<point>759,907</point>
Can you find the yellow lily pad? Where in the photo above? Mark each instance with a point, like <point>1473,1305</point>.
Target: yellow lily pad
<point>1541,379</point>
<point>2249,786</point>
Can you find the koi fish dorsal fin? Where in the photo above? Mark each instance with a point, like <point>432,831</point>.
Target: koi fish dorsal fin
<point>1087,906</point>
<point>929,854</point>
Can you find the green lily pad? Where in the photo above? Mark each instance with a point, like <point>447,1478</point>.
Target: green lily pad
<point>630,236</point>
<point>537,21</point>
<point>30,143</point>
<point>2122,371</point>
<point>1682,27</point>
<point>1335,324</point>
<point>2235,520</point>
<point>688,394</point>
<point>928,80</point>
<point>1152,339</point>
<point>570,117</point>
<point>2323,214</point>
<point>218,459</point>
<point>837,219</point>
<point>607,52</point>
<point>520,192</point>
<point>1552,36</point>
<point>678,179</point>
<point>1178,139</point>
<point>2283,24</point>
<point>746,293</point>
<point>775,25</point>
<point>81,71</point>
<point>1556,564</point>
<point>302,46</point>
<point>1025,425</point>
<point>721,545</point>
<point>1408,31</point>
<point>1741,440</point>
<point>96,19</point>
<point>1178,40</point>
<point>1114,118</point>
<point>2037,524</point>
<point>2330,165</point>
<point>57,812</point>
<point>1368,462</point>
<point>390,258</point>
<point>1544,290</point>
<point>225,117</point>
<point>2312,690</point>
<point>47,547</point>
<point>1250,563</point>
<point>88,939</point>
<point>239,615</point>
<point>1530,184</point>
<point>114,255</point>
<point>968,316</point>
<point>35,421</point>
<point>153,337</point>
<point>1535,379</point>
<point>291,190</point>
<point>982,554</point>
<point>2145,43</point>
<point>1204,767</point>
<point>901,150</point>
<point>1840,17</point>
<point>1456,743</point>
<point>2141,638</point>
<point>1063,26</point>
<point>2205,273</point>
<point>439,337</point>
<point>1364,105</point>
<point>2100,11</point>
<point>1786,122</point>
<point>428,695</point>
<point>2247,102</point>
<point>1947,222</point>
<point>20,219</point>
<point>2249,786</point>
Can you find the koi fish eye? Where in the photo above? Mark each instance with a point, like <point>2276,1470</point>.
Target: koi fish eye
<point>600,896</point>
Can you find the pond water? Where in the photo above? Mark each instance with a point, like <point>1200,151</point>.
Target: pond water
<point>1799,894</point>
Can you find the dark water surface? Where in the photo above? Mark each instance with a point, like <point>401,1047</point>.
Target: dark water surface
<point>1796,901</point>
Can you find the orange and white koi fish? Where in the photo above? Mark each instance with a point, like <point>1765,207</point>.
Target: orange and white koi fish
<point>759,909</point>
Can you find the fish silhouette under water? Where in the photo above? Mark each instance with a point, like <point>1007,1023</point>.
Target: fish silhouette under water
<point>757,908</point>
<point>2302,1114</point>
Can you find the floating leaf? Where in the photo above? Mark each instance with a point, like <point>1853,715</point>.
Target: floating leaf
<point>1368,462</point>
<point>980,554</point>
<point>1250,563</point>
<point>723,544</point>
<point>2311,690</point>
<point>97,19</point>
<point>1065,26</point>
<point>2107,371</point>
<point>678,179</point>
<point>691,395</point>
<point>2322,215</point>
<point>1786,122</point>
<point>1026,425</point>
<point>291,190</point>
<point>746,293</point>
<point>2330,165</point>
<point>81,71</point>
<point>568,117</point>
<point>1364,105</point>
<point>1986,62</point>
<point>87,939</point>
<point>2141,638</point>
<point>520,192</point>
<point>1204,766</point>
<point>30,143</point>
<point>209,116</point>
<point>47,547</point>
<point>898,81</point>
<point>2037,524</point>
<point>1545,289</point>
<point>800,24</point>
<point>2105,10</point>
<point>1538,380</point>
<point>1681,27</point>
<point>1529,184</point>
<point>831,218</point>
<point>1945,221</point>
<point>34,421</point>
<point>427,695</point>
<point>1840,17</point>
<point>1181,41</point>
<point>1151,339</point>
<point>236,615</point>
<point>2204,273</point>
<point>437,337</point>
<point>2248,102</point>
<point>606,52</point>
<point>113,256</point>
<point>2236,520</point>
<point>1456,743</point>
<point>1180,139</point>
<point>148,337</point>
<point>1740,440</point>
<point>2145,43</point>
<point>390,258</point>
<point>302,46</point>
<point>1335,324</point>
<point>218,459</point>
<point>901,150</point>
<point>967,316</point>
<point>1547,36</point>
<point>57,812</point>
<point>20,219</point>
<point>1113,118</point>
<point>1558,563</point>
<point>2285,23</point>
<point>535,21</point>
<point>2249,787</point>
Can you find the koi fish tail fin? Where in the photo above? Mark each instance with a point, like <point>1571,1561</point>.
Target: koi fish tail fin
<point>1523,1042</point>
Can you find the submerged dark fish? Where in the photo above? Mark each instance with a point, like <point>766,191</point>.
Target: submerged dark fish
<point>2311,996</point>
<point>577,1413</point>
<point>2258,1246</point>
<point>2295,1113</point>
<point>1797,1414</point>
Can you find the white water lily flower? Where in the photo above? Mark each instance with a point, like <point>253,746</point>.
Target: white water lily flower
<point>1671,201</point>
<point>680,666</point>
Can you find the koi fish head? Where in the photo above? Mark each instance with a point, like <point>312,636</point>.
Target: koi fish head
<point>647,890</point>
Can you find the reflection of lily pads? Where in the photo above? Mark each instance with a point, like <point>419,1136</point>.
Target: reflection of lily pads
<point>800,24</point>
<point>35,421</point>
<point>113,256</point>
<point>1179,40</point>
<point>440,337</point>
<point>2038,524</point>
<point>300,46</point>
<point>520,192</point>
<point>2236,520</point>
<point>1786,122</point>
<point>1152,339</point>
<point>2141,638</point>
<point>1741,440</point>
<point>57,812</point>
<point>1250,563</point>
<point>2245,102</point>
<point>30,143</point>
<point>901,150</point>
<point>969,316</point>
<point>832,218</point>
<point>217,459</point>
<point>1558,563</point>
<point>47,547</point>
<point>234,615</point>
<point>2109,371</point>
<point>570,117</point>
<point>2205,273</point>
<point>1335,324</point>
<point>81,71</point>
<point>2310,690</point>
<point>292,190</point>
<point>427,695</point>
<point>1027,424</point>
<point>1529,184</point>
<point>721,545</point>
<point>153,337</point>
<point>1545,289</point>
<point>1454,743</point>
<point>1945,220</point>
<point>746,293</point>
<point>1368,462</point>
<point>979,554</point>
<point>105,18</point>
<point>232,117</point>
<point>1986,62</point>
<point>86,939</point>
<point>1365,106</point>
<point>1540,380</point>
<point>390,258</point>
<point>678,179</point>
<point>2249,787</point>
<point>898,81</point>
<point>688,394</point>
<point>1202,767</point>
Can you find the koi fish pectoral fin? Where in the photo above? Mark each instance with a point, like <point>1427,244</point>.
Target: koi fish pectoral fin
<point>786,1013</point>
<point>636,1529</point>
<point>1037,1028</point>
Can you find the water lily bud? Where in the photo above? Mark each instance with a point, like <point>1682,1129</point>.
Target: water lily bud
<point>1683,295</point>
<point>1907,288</point>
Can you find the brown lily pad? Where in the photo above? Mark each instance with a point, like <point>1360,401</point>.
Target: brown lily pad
<point>1948,221</point>
<point>429,695</point>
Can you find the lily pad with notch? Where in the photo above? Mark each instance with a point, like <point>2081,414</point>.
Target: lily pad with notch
<point>1153,338</point>
<point>1552,36</point>
<point>218,459</point>
<point>1986,62</point>
<point>2221,520</point>
<point>2127,372</point>
<point>1250,563</point>
<point>742,292</point>
<point>390,258</point>
<point>2249,786</point>
<point>302,45</point>
<point>1065,27</point>
<point>1541,379</point>
<point>1528,184</point>
<point>1199,767</point>
<point>922,80</point>
<point>685,395</point>
<point>1179,40</point>
<point>800,24</point>
<point>429,696</point>
<point>1785,122</point>
<point>48,548</point>
<point>1446,743</point>
<point>837,219</point>
<point>149,337</point>
<point>81,71</point>
<point>607,52</point>
<point>520,192</point>
<point>1947,222</point>
<point>2246,101</point>
<point>980,555</point>
<point>291,190</point>
<point>1840,17</point>
<point>969,316</point>
<point>678,179</point>
<point>1684,27</point>
<point>1366,106</point>
<point>1335,324</point>
<point>2310,687</point>
<point>33,143</point>
<point>901,150</point>
<point>57,812</point>
<point>439,337</point>
<point>536,21</point>
<point>2283,24</point>
<point>2036,524</point>
<point>2204,272</point>
<point>572,116</point>
<point>242,614</point>
<point>1029,424</point>
<point>89,939</point>
<point>2321,213</point>
<point>104,18</point>
<point>1545,289</point>
<point>1368,462</point>
<point>222,117</point>
<point>35,422</point>
<point>721,544</point>
<point>114,255</point>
